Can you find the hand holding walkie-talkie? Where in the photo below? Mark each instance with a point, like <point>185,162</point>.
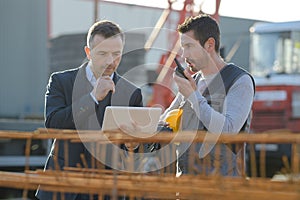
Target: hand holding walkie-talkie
<point>179,71</point>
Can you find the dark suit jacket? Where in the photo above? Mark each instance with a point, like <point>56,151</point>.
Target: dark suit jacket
<point>68,105</point>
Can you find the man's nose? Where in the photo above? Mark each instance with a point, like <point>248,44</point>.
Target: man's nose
<point>109,59</point>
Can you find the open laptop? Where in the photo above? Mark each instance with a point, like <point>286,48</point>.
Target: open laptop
<point>146,118</point>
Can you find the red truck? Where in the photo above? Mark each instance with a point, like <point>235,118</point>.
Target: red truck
<point>275,65</point>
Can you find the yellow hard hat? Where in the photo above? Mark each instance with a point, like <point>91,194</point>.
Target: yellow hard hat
<point>174,118</point>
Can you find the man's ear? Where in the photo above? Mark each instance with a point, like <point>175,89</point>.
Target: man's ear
<point>210,44</point>
<point>87,51</point>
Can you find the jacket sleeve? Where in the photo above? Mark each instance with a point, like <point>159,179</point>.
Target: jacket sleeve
<point>58,104</point>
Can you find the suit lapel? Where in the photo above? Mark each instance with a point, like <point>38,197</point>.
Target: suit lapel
<point>82,84</point>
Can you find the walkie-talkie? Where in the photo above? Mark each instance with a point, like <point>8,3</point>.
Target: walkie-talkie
<point>179,69</point>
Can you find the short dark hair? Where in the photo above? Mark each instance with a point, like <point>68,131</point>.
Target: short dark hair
<point>105,28</point>
<point>204,27</point>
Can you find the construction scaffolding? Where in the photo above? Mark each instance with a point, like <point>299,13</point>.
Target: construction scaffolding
<point>157,184</point>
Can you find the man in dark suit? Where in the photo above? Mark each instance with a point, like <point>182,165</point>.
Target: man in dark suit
<point>77,98</point>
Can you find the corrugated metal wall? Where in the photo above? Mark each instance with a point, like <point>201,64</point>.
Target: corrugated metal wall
<point>23,57</point>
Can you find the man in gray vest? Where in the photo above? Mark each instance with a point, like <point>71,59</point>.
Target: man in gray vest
<point>217,99</point>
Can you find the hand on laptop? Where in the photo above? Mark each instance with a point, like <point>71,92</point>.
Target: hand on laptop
<point>130,130</point>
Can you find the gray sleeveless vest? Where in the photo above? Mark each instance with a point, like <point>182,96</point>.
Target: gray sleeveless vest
<point>215,94</point>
